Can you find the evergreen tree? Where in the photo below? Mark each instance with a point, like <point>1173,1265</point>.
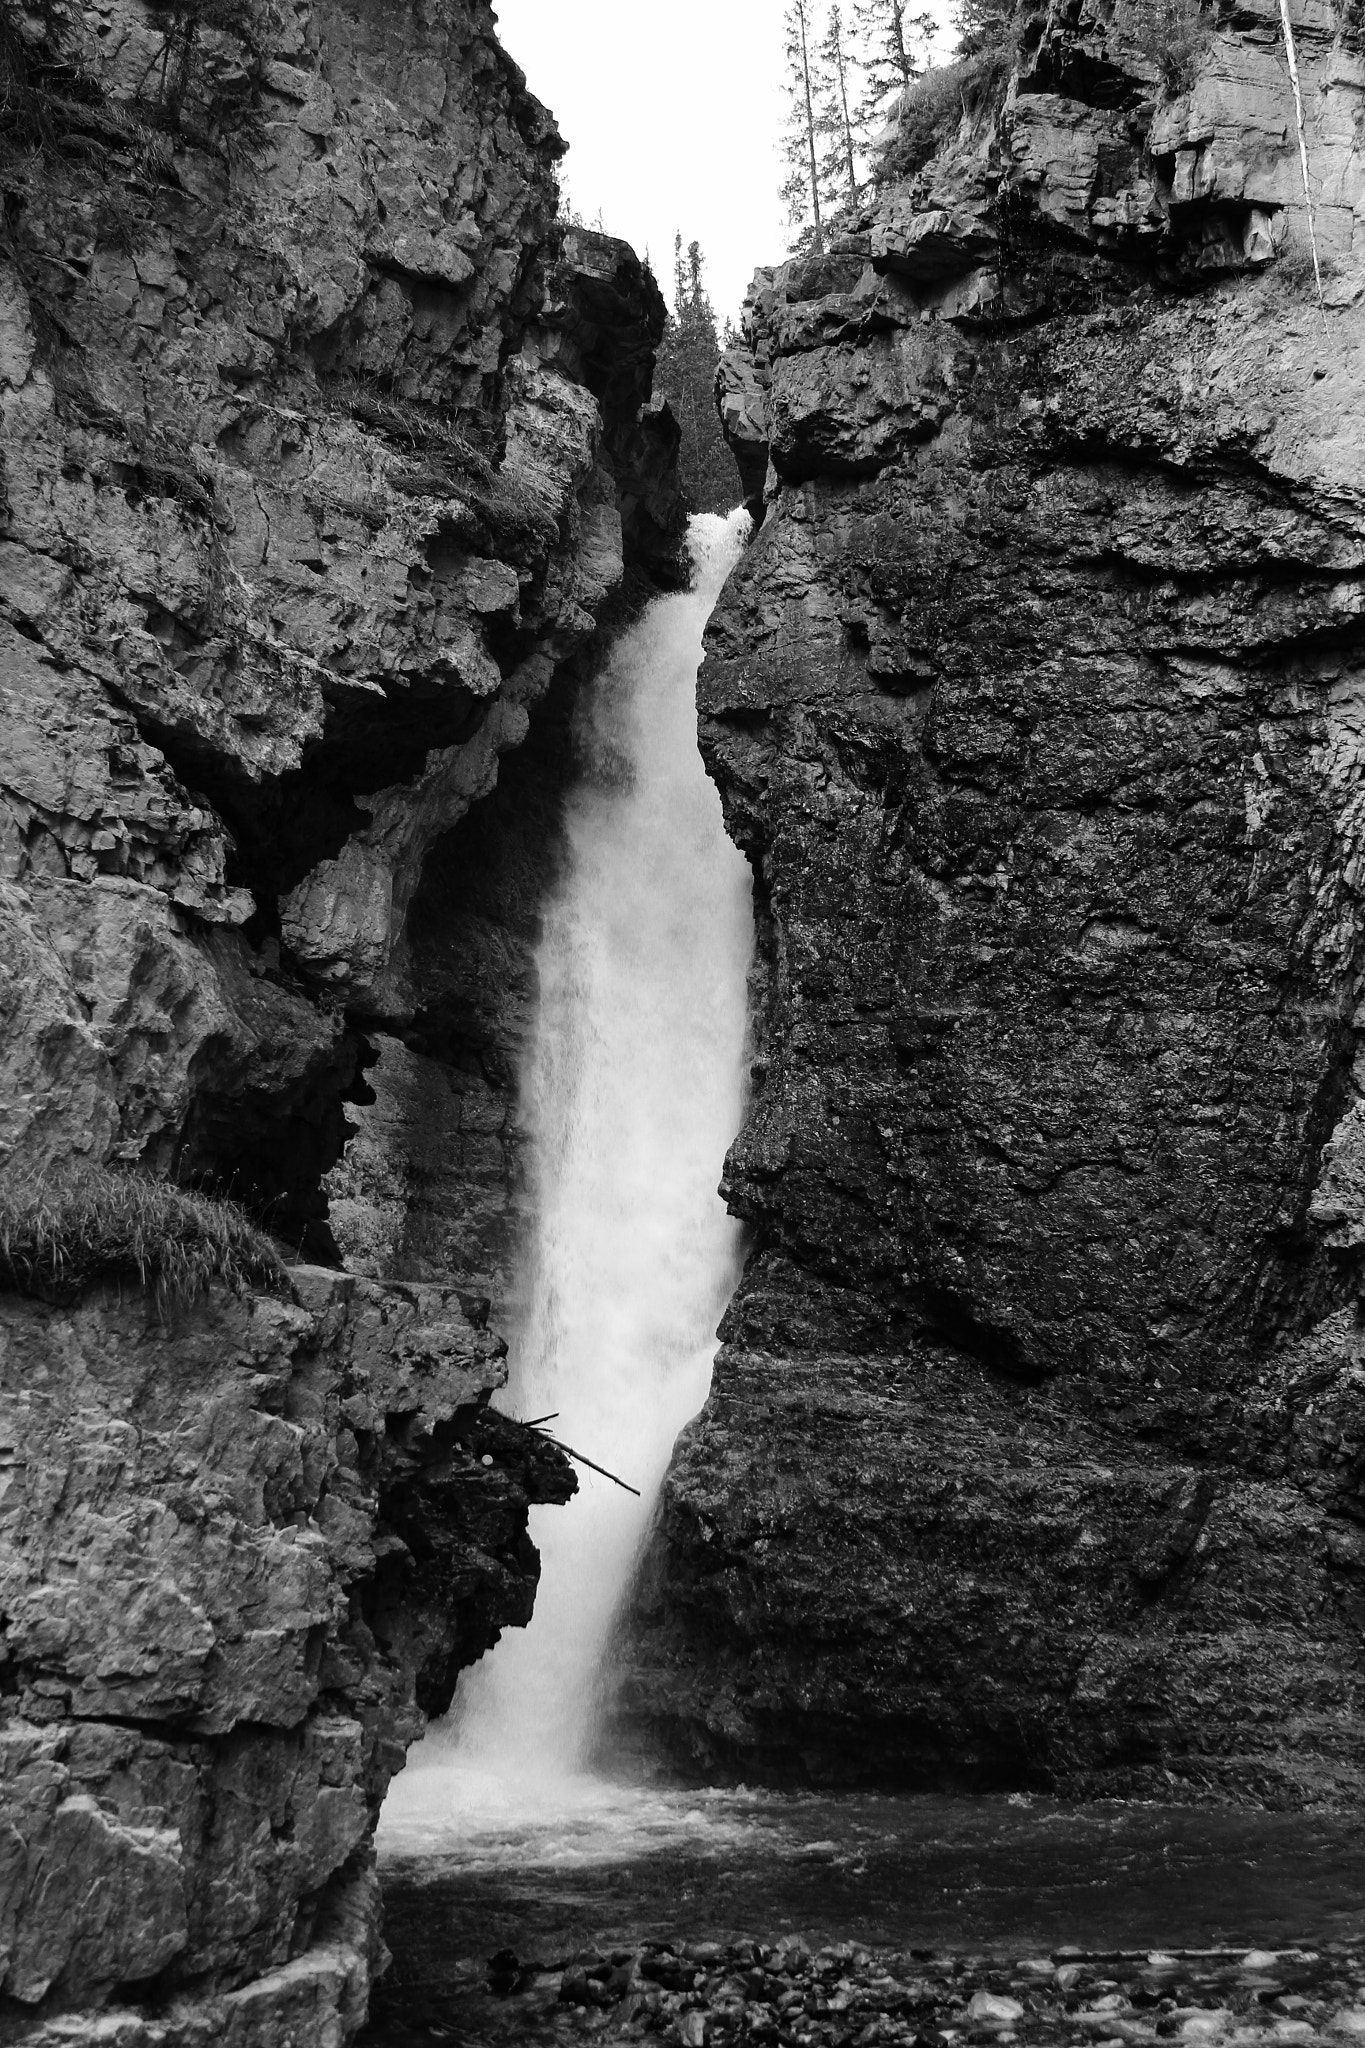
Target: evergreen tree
<point>801,190</point>
<point>835,121</point>
<point>685,375</point>
<point>893,41</point>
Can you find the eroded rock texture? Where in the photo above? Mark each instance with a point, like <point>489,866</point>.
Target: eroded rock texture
<point>241,1558</point>
<point>435,1179</point>
<point>317,467</point>
<point>1035,1448</point>
<point>327,458</point>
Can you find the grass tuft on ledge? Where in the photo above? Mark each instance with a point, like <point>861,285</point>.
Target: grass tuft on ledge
<point>65,1230</point>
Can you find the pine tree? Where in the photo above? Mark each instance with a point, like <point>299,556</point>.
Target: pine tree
<point>685,375</point>
<point>801,191</point>
<point>835,121</point>
<point>893,40</point>
<point>681,270</point>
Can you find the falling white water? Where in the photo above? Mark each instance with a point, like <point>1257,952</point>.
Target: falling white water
<point>633,1094</point>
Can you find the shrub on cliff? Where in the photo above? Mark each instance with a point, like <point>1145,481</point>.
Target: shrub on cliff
<point>993,37</point>
<point>1172,35</point>
<point>930,113</point>
<point>935,102</point>
<point>203,84</point>
<point>44,81</point>
<point>65,1230</point>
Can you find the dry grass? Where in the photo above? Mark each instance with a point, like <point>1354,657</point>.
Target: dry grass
<point>929,116</point>
<point>411,424</point>
<point>203,86</point>
<point>63,1231</point>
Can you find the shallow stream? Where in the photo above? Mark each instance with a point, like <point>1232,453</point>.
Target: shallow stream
<point>1000,1873</point>
<point>981,1884</point>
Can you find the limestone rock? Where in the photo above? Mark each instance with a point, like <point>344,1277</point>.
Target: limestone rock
<point>741,399</point>
<point>315,471</point>
<point>931,244</point>
<point>53,1069</point>
<point>1036,705</point>
<point>326,460</point>
<point>239,1557</point>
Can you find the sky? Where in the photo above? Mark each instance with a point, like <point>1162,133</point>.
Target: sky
<point>673,116</point>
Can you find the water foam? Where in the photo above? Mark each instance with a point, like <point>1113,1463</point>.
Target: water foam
<point>633,1093</point>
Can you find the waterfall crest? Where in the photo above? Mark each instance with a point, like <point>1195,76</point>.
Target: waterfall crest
<point>633,1093</point>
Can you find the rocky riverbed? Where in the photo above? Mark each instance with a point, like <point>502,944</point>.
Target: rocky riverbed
<point>786,1994</point>
<point>816,1922</point>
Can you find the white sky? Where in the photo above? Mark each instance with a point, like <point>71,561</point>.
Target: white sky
<point>672,115</point>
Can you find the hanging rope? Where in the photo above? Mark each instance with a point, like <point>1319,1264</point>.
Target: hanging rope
<point>1292,56</point>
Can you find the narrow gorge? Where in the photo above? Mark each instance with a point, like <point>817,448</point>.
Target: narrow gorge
<point>347,631</point>
<point>329,469</point>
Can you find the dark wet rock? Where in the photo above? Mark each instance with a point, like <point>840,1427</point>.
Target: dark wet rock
<point>315,476</point>
<point>1035,705</point>
<point>741,397</point>
<point>241,1558</point>
<point>326,467</point>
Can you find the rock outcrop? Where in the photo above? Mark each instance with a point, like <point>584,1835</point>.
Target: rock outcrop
<point>319,463</point>
<point>435,1179</point>
<point>327,462</point>
<point>242,1556</point>
<point>1036,1446</point>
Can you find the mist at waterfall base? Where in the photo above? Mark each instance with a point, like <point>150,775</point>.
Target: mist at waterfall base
<point>501,1834</point>
<point>633,1094</point>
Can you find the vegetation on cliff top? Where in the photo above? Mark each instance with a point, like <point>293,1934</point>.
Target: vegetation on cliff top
<point>845,80</point>
<point>69,1228</point>
<point>864,105</point>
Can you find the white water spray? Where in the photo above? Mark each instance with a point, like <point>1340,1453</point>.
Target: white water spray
<point>634,1093</point>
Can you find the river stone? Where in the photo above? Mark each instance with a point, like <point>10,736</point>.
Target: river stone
<point>989,2005</point>
<point>862,1995</point>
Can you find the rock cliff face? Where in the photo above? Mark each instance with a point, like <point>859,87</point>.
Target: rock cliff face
<point>240,1558</point>
<point>327,459</point>
<point>317,468</point>
<point>1036,1445</point>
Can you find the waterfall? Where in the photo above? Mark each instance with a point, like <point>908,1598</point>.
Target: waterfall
<point>634,1092</point>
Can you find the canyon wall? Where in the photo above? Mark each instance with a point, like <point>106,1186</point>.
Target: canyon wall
<point>327,464</point>
<point>1036,1445</point>
<point>319,464</point>
<point>242,1555</point>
